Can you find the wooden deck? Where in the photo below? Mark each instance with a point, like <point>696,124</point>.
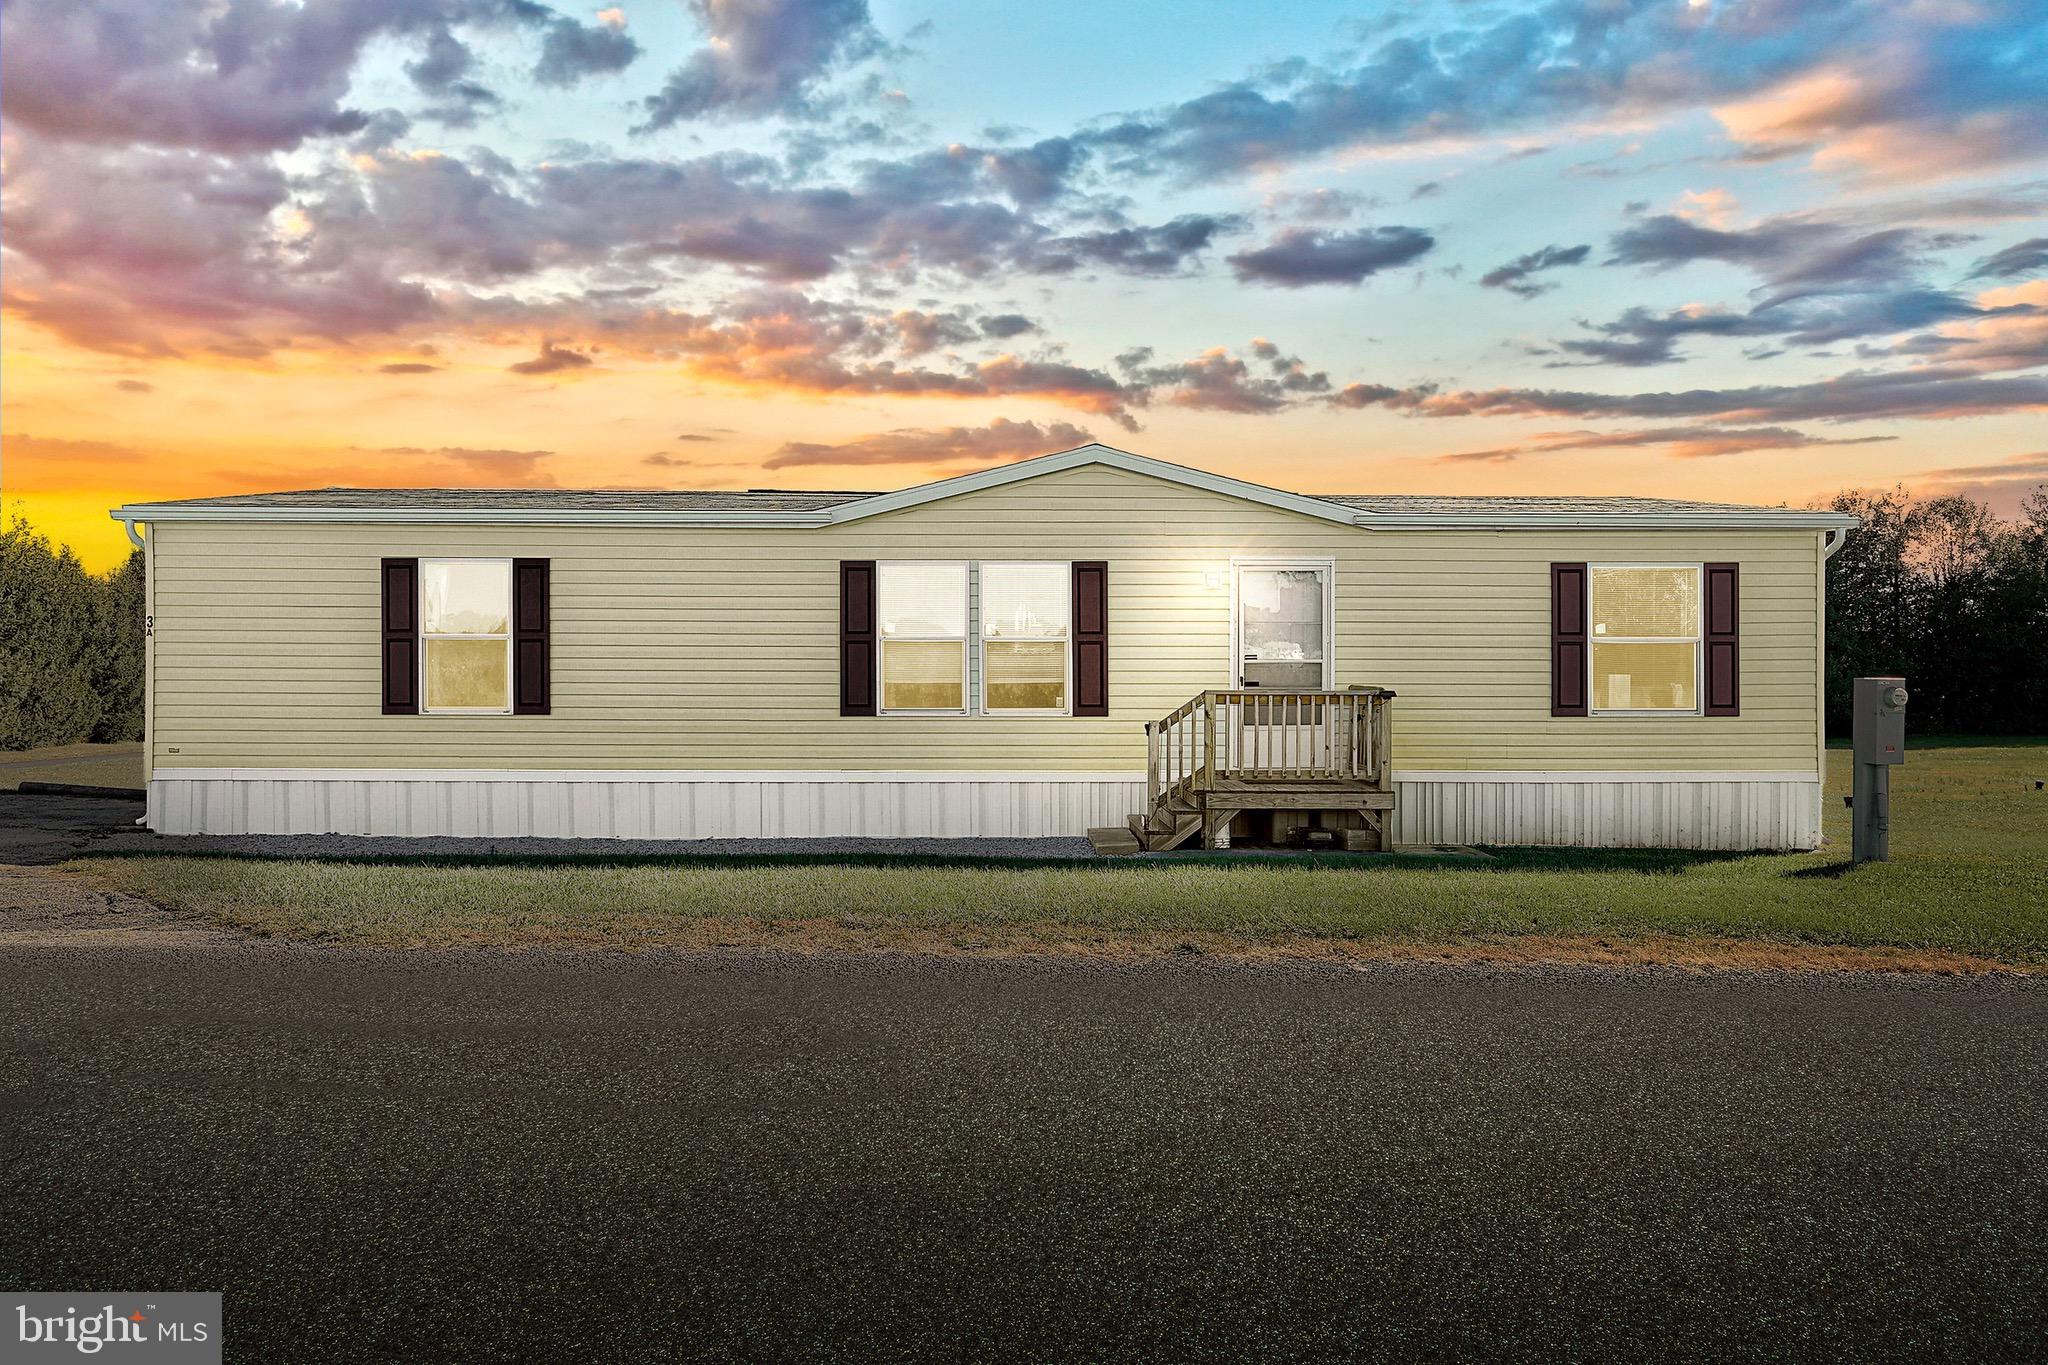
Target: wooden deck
<point>1223,753</point>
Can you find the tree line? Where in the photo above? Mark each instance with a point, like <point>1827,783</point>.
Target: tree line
<point>70,645</point>
<point>1942,592</point>
<point>1936,589</point>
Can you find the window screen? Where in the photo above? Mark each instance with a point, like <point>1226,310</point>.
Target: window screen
<point>1025,611</point>
<point>465,630</point>
<point>1646,638</point>
<point>923,613</point>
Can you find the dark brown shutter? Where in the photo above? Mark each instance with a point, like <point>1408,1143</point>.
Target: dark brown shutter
<point>529,637</point>
<point>856,637</point>
<point>1091,639</point>
<point>1568,642</point>
<point>401,586</point>
<point>1724,653</point>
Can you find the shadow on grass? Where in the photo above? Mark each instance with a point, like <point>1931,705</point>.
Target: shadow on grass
<point>1667,860</point>
<point>1651,860</point>
<point>1841,741</point>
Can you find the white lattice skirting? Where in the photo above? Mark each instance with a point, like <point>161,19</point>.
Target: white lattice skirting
<point>1741,810</point>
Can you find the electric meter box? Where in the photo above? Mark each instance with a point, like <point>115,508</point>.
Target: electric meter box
<point>1880,720</point>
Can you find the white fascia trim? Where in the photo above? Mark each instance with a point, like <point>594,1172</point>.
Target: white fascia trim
<point>1556,775</point>
<point>1102,455</point>
<point>768,775</point>
<point>452,516</point>
<point>1761,520</point>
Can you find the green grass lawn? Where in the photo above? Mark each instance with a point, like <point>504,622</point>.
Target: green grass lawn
<point>1969,876</point>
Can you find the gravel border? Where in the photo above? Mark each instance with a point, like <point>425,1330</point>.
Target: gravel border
<point>51,828</point>
<point>396,846</point>
<point>1056,849</point>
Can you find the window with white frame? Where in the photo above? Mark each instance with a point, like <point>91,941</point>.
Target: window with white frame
<point>466,635</point>
<point>1646,637</point>
<point>1026,612</point>
<point>922,610</point>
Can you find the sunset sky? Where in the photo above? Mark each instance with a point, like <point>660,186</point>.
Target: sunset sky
<point>1743,251</point>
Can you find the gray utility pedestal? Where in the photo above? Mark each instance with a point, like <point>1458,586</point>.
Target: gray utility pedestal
<point>1878,735</point>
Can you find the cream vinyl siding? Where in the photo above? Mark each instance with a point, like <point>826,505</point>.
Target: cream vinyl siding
<point>686,649</point>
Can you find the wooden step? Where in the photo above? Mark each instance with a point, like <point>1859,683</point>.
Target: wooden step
<point>1114,841</point>
<point>1184,828</point>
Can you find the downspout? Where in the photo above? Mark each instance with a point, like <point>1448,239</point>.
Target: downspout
<point>1831,541</point>
<point>148,549</point>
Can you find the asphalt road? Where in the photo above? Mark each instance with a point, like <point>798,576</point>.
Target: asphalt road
<point>49,829</point>
<point>553,1156</point>
<point>105,765</point>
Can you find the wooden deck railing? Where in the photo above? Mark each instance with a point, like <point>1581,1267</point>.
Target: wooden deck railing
<point>1256,735</point>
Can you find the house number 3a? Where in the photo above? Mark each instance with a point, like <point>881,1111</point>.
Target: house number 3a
<point>148,627</point>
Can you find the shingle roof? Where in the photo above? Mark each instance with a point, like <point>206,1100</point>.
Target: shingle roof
<point>822,507</point>
<point>810,500</point>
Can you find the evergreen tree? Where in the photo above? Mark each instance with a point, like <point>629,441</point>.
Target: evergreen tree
<point>49,644</point>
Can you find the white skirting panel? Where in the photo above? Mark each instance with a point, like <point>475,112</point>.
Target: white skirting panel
<point>1733,810</point>
<point>729,805</point>
<point>1729,810</point>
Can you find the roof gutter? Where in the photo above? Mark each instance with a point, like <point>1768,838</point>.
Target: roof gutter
<point>129,519</point>
<point>1606,521</point>
<point>492,516</point>
<point>822,517</point>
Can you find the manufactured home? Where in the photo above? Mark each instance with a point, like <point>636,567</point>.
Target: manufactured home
<point>1088,640</point>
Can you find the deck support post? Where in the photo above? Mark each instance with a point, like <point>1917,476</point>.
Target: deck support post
<point>1382,751</point>
<point>1209,735</point>
<point>1153,787</point>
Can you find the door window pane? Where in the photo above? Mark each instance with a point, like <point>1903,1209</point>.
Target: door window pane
<point>465,675</point>
<point>1654,677</point>
<point>1288,677</point>
<point>924,675</point>
<point>466,597</point>
<point>1280,628</point>
<point>1025,675</point>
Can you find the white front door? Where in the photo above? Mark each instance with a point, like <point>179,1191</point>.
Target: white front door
<point>1281,625</point>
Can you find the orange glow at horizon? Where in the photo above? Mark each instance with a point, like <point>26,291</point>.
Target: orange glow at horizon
<point>85,432</point>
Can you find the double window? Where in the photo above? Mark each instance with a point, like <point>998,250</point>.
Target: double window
<point>957,637</point>
<point>1645,638</point>
<point>466,635</point>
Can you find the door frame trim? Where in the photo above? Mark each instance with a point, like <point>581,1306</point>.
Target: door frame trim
<point>1324,564</point>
